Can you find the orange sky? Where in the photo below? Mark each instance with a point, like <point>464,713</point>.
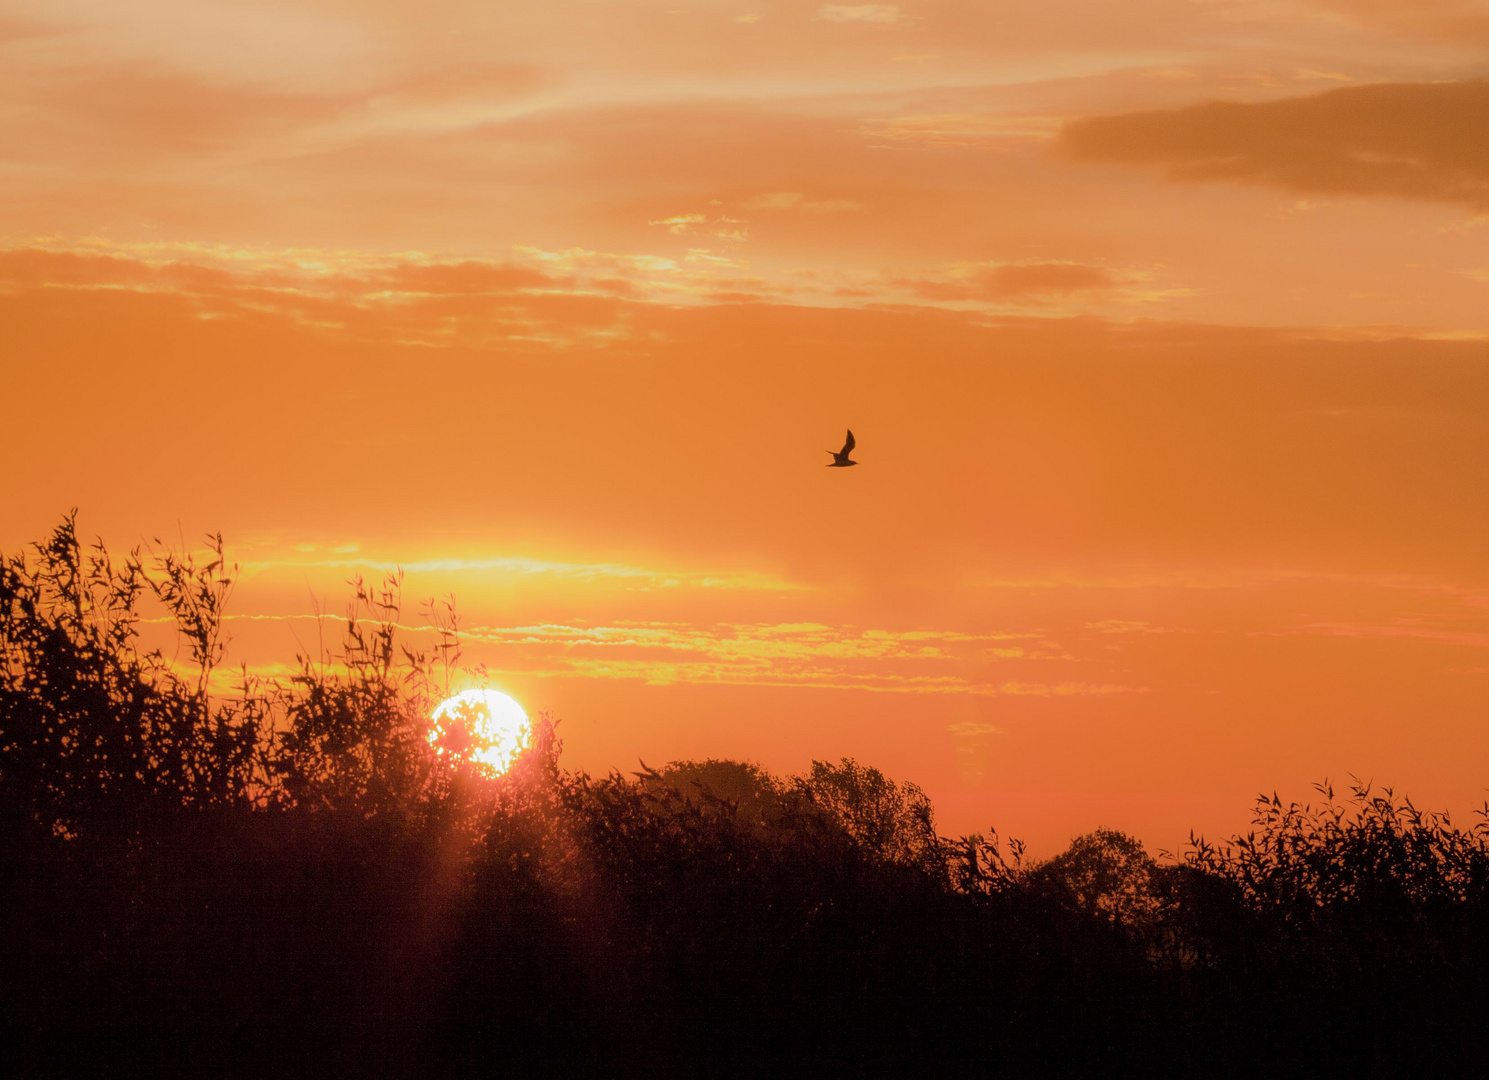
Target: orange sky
<point>1162,327</point>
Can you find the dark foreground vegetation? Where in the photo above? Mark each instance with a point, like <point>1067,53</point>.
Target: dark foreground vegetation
<point>285,880</point>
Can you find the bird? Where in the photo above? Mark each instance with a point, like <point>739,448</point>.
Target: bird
<point>840,457</point>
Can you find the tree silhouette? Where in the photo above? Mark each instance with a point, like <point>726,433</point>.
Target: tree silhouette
<point>96,735</point>
<point>223,876</point>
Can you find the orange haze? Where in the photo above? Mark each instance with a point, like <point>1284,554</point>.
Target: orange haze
<point>1162,327</point>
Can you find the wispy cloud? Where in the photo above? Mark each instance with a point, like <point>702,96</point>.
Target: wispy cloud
<point>1412,140</point>
<point>519,567</point>
<point>802,654</point>
<point>1068,689</point>
<point>795,200</point>
<point>563,297</point>
<point>973,729</point>
<point>1134,626</point>
<point>884,14</point>
<point>966,130</point>
<point>1052,285</point>
<point>1420,629</point>
<point>679,223</point>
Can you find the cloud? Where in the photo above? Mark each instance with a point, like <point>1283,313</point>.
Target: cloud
<point>1412,140</point>
<point>776,200</point>
<point>137,113</point>
<point>1014,282</point>
<point>869,13</point>
<point>1412,628</point>
<point>489,81</point>
<point>507,569</point>
<point>406,298</point>
<point>1458,21</point>
<point>803,655</point>
<point>976,130</point>
<point>680,223</point>
<point>795,200</point>
<point>1133,626</point>
<point>1068,689</point>
<point>972,729</point>
<point>552,297</point>
<point>155,110</point>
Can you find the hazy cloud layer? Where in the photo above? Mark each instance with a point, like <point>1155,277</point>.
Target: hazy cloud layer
<point>1415,140</point>
<point>1015,283</point>
<point>804,151</point>
<point>1456,21</point>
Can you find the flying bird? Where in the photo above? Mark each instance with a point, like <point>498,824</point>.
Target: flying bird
<point>840,457</point>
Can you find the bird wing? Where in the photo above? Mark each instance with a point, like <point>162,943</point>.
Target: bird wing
<point>850,444</point>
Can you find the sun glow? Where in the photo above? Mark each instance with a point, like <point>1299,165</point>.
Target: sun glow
<point>483,726</point>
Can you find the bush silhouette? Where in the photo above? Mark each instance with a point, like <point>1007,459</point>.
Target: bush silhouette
<point>96,735</point>
<point>214,876</point>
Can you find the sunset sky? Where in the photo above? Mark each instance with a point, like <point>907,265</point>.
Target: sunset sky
<point>1163,327</point>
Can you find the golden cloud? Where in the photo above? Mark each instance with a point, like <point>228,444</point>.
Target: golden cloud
<point>805,655</point>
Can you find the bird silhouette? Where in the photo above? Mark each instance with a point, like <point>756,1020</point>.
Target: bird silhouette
<point>840,457</point>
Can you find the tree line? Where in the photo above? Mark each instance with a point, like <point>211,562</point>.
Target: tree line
<point>212,875</point>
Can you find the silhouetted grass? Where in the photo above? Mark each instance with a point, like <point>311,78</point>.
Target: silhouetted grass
<point>286,881</point>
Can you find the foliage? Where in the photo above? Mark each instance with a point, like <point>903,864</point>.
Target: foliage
<point>1105,875</point>
<point>245,878</point>
<point>1306,865</point>
<point>94,732</point>
<point>352,738</point>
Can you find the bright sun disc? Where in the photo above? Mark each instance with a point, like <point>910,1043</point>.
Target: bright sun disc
<point>485,726</point>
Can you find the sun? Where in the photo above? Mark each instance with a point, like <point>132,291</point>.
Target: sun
<point>484,726</point>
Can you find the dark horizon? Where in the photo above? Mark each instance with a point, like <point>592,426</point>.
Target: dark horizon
<point>298,881</point>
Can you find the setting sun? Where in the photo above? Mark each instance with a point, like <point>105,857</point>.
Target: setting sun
<point>485,726</point>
